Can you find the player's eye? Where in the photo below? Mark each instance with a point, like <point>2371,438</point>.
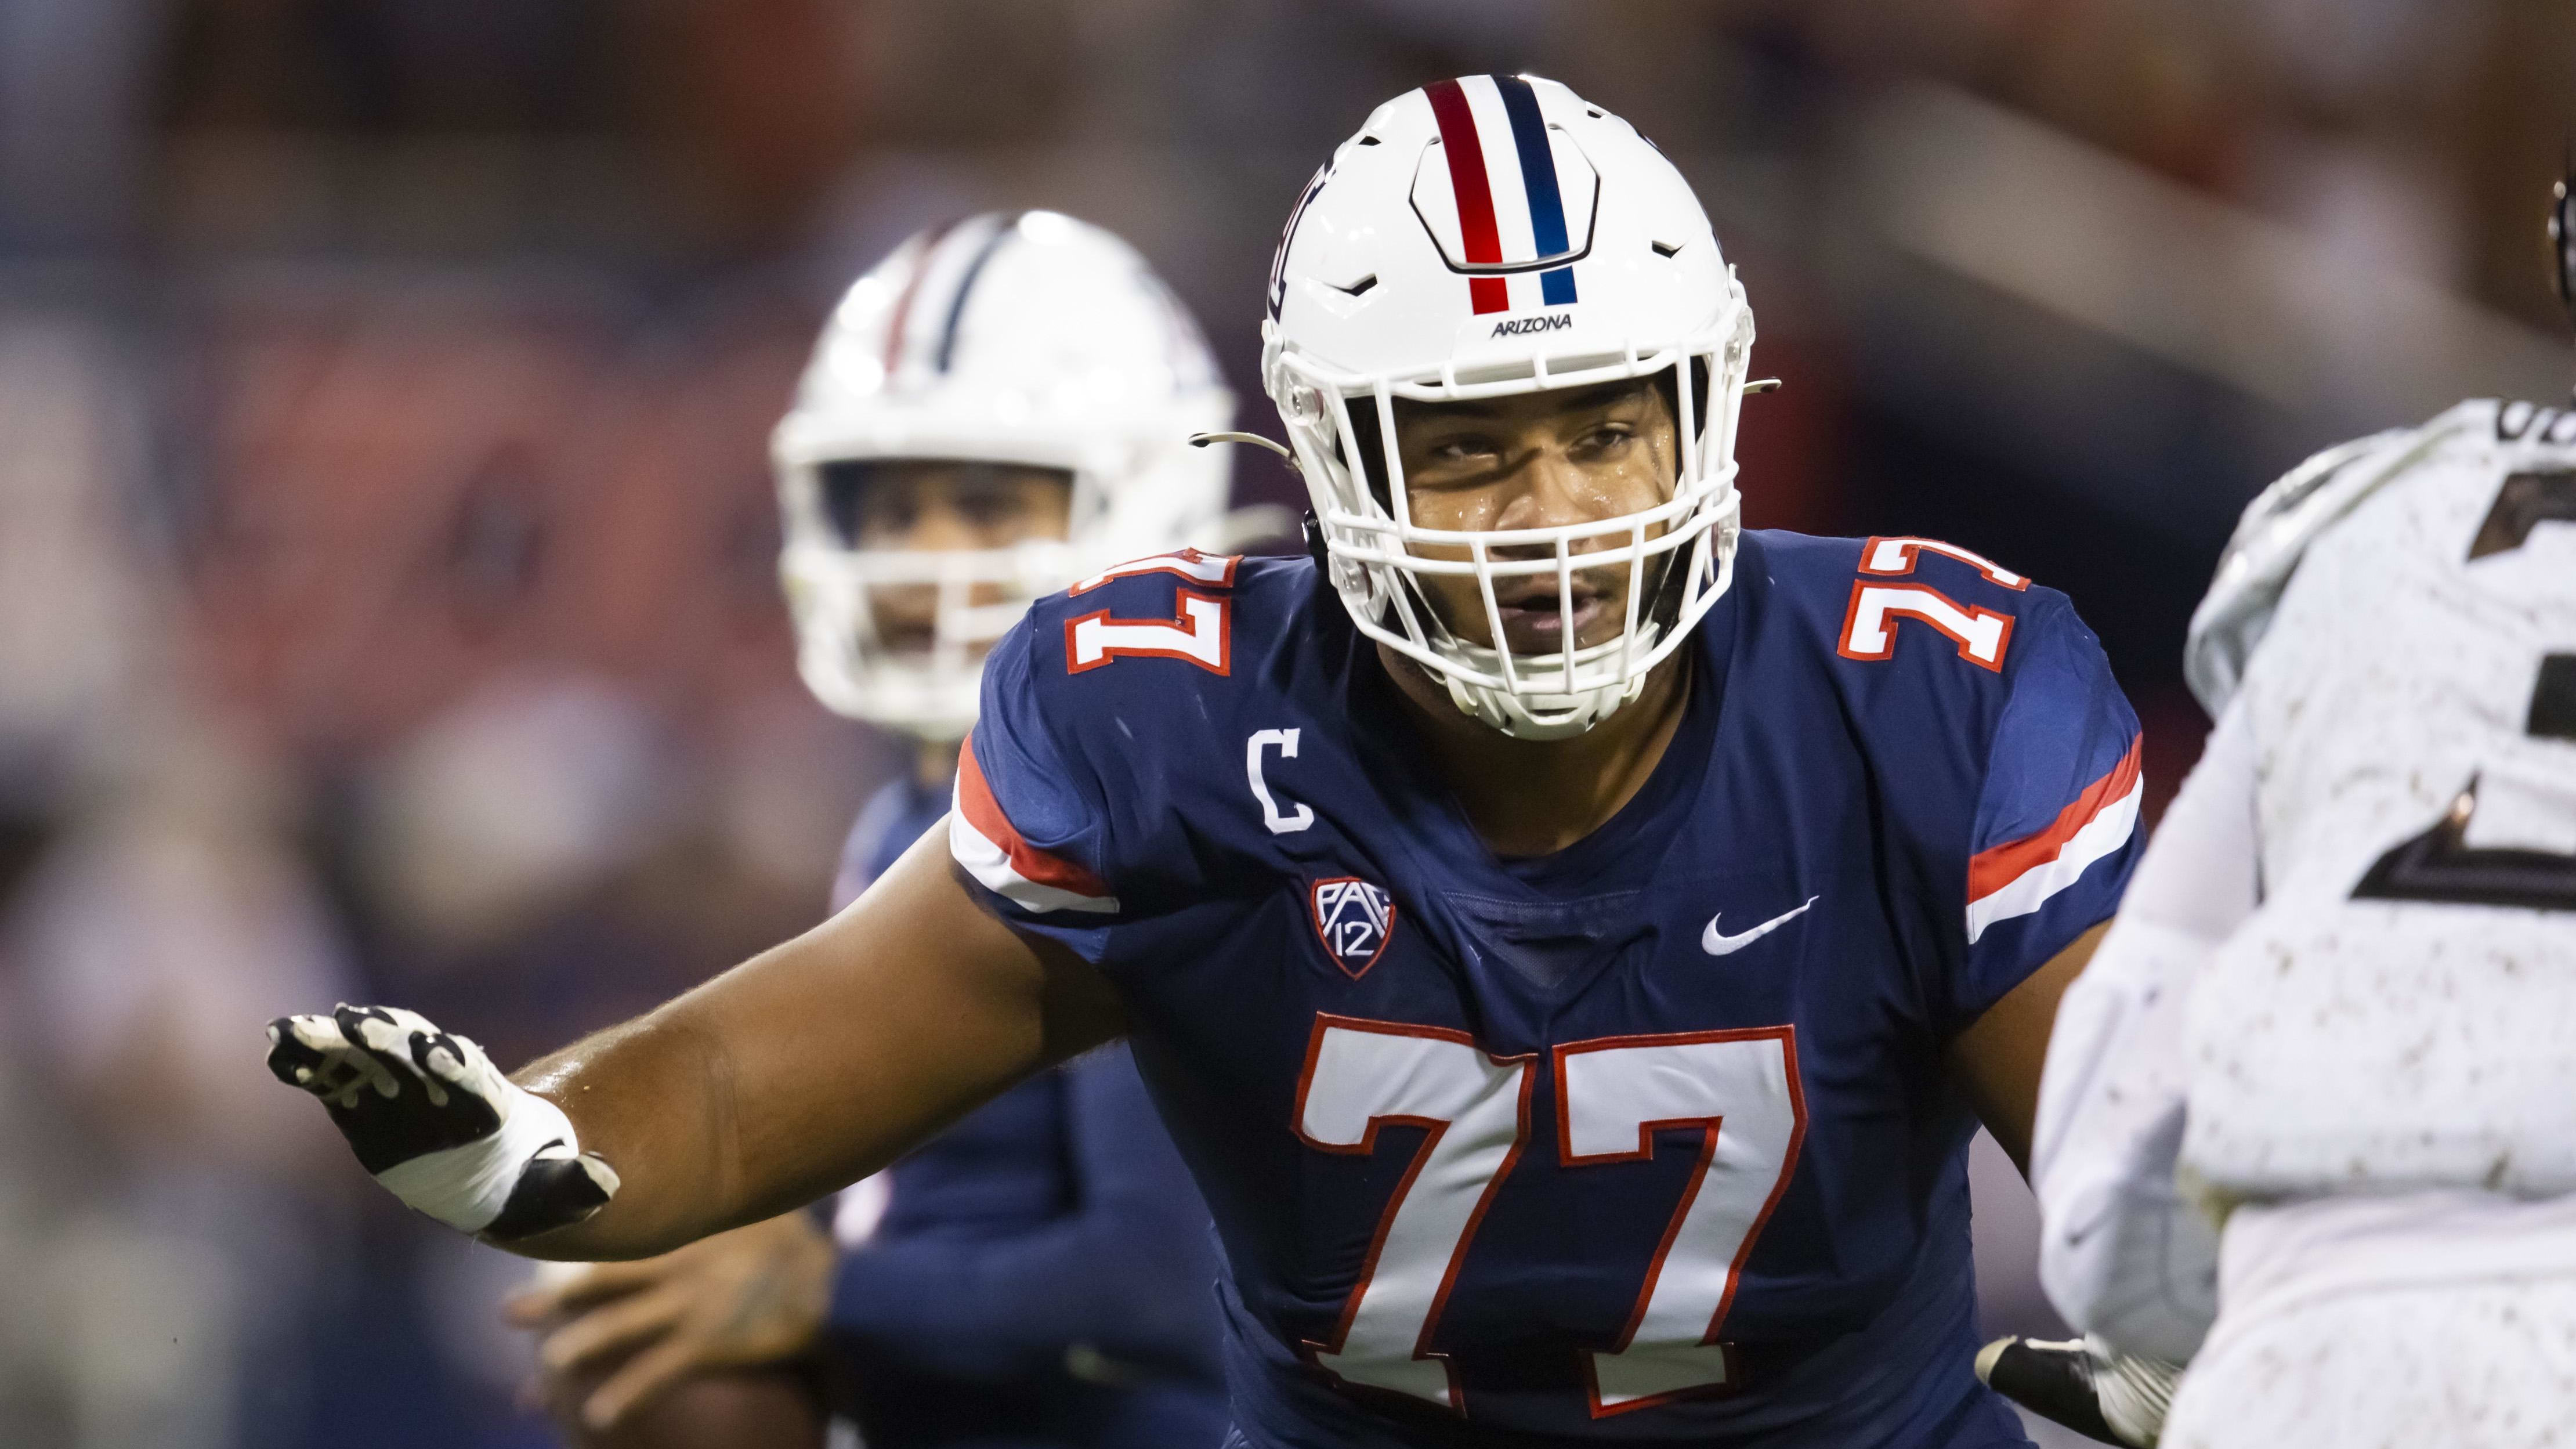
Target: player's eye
<point>1606,439</point>
<point>1454,452</point>
<point>987,505</point>
<point>886,511</point>
<point>866,504</point>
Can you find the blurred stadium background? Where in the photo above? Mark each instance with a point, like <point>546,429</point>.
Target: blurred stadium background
<point>387,606</point>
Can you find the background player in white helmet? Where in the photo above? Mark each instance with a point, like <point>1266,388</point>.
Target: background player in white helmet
<point>1572,939</point>
<point>1045,357</point>
<point>1001,406</point>
<point>2335,1011</point>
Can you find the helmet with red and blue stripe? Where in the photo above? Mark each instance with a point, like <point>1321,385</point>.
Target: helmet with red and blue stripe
<point>1490,235</point>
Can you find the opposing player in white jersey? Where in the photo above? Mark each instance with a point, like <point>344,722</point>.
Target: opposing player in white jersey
<point>2335,1013</point>
<point>999,408</point>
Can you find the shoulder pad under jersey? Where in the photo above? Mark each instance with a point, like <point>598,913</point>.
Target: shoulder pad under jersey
<point>2276,530</point>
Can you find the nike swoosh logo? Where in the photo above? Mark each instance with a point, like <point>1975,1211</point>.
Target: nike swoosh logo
<point>1717,943</point>
<point>2076,1233</point>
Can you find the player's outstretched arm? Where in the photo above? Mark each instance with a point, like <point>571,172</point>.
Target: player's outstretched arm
<point>806,1067</point>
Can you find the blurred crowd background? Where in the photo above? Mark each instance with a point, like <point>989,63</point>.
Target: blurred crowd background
<point>387,593</point>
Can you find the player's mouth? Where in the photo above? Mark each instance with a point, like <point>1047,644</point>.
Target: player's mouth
<point>907,637</point>
<point>1534,618</point>
<point>906,619</point>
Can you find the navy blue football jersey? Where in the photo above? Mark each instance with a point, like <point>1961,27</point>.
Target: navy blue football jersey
<point>901,811</point>
<point>1648,1140</point>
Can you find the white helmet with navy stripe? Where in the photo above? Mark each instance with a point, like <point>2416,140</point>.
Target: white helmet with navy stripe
<point>1489,235</point>
<point>1025,338</point>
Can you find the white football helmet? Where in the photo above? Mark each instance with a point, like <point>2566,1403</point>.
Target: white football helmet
<point>1025,338</point>
<point>1491,235</point>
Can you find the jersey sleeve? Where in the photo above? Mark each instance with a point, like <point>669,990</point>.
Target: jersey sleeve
<point>1094,794</point>
<point>1030,823</point>
<point>2056,829</point>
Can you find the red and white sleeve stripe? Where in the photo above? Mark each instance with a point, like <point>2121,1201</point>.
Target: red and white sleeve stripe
<point>982,840</point>
<point>2018,876</point>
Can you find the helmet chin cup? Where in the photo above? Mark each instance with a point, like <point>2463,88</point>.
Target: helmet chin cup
<point>1526,716</point>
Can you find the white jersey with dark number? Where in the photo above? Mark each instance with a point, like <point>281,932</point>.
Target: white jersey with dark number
<point>2342,986</point>
<point>2398,1011</point>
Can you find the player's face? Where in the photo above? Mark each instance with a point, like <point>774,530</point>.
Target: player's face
<point>939,506</point>
<point>1537,460</point>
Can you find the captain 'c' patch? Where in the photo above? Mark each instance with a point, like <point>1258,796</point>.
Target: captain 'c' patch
<point>1353,919</point>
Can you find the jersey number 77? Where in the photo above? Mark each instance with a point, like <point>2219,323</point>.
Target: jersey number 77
<point>1740,1088</point>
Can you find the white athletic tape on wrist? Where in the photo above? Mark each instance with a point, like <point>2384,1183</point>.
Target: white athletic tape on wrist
<point>466,1187</point>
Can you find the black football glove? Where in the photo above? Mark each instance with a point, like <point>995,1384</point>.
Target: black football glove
<point>2084,1384</point>
<point>434,1121</point>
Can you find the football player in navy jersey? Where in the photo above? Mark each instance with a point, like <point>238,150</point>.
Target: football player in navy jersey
<point>1572,940</point>
<point>1039,1273</point>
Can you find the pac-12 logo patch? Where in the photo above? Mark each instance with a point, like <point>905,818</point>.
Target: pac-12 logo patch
<point>1353,919</point>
